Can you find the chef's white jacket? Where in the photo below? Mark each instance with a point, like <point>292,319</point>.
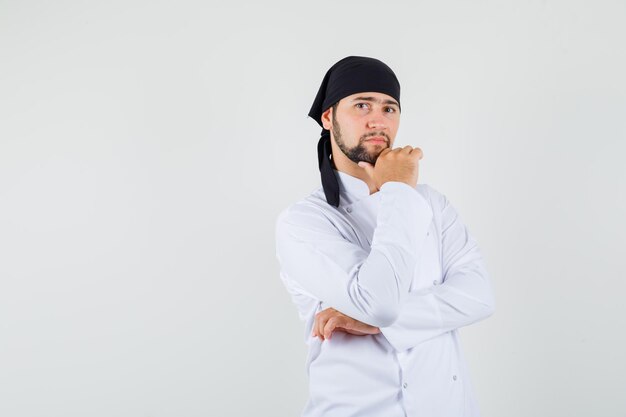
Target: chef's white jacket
<point>399,259</point>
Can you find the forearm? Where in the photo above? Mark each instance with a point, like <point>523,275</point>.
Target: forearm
<point>368,286</point>
<point>461,300</point>
<point>464,295</point>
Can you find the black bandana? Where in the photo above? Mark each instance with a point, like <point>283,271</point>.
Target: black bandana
<point>351,75</point>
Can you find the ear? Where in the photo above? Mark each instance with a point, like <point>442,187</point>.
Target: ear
<point>326,121</point>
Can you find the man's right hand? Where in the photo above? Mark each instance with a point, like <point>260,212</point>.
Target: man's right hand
<point>400,164</point>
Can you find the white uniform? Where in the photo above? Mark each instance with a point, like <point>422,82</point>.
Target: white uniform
<point>399,259</point>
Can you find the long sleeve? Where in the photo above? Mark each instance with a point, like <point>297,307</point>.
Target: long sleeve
<point>464,296</point>
<point>325,265</point>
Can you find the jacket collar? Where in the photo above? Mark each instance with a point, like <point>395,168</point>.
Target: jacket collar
<point>354,188</point>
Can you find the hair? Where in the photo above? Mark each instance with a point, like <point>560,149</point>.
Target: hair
<point>335,128</point>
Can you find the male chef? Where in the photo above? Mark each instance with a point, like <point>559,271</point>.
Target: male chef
<point>380,267</point>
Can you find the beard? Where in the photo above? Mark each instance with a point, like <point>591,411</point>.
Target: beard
<point>359,152</point>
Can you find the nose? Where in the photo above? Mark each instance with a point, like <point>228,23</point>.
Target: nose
<point>376,122</point>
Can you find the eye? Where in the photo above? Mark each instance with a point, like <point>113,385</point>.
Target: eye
<point>390,108</point>
<point>358,105</point>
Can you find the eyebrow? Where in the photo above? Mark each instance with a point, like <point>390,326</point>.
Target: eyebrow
<point>376,100</point>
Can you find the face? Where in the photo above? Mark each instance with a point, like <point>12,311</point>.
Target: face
<point>363,125</point>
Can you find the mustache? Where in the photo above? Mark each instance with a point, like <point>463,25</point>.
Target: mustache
<point>368,135</point>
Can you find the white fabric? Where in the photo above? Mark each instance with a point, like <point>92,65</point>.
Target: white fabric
<point>399,259</point>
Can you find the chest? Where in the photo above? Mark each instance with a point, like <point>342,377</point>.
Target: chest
<point>360,225</point>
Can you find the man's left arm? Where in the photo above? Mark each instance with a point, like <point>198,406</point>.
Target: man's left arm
<point>465,295</point>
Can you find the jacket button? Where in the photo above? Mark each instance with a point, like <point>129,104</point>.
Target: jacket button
<point>435,282</point>
<point>405,385</point>
<point>349,209</point>
<point>454,377</point>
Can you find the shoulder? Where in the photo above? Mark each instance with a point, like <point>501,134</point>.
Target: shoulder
<point>435,198</point>
<point>310,210</point>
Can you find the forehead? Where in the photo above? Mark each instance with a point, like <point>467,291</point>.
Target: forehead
<point>371,96</point>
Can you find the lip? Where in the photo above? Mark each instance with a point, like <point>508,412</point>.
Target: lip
<point>377,139</point>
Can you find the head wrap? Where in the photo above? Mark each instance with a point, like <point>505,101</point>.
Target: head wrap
<point>351,75</point>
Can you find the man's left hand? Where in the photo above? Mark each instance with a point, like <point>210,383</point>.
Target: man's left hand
<point>329,320</point>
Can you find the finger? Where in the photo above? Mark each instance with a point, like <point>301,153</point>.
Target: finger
<point>316,326</point>
<point>386,151</point>
<point>369,168</point>
<point>362,327</point>
<point>407,149</point>
<point>321,322</point>
<point>351,324</point>
<point>417,153</point>
<point>330,326</point>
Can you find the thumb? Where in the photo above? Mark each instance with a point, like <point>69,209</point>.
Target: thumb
<point>369,168</point>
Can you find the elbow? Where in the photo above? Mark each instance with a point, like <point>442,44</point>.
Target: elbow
<point>489,307</point>
<point>376,292</point>
<point>485,300</point>
<point>489,310</point>
<point>380,310</point>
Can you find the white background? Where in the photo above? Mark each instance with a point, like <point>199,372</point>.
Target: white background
<point>146,148</point>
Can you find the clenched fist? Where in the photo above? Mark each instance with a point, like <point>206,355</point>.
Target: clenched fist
<point>329,320</point>
<point>400,164</point>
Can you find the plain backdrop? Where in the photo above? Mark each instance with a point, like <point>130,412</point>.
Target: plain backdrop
<point>146,148</point>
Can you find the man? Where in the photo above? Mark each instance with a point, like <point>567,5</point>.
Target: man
<point>382,270</point>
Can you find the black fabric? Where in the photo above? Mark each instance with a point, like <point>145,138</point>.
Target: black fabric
<point>329,179</point>
<point>351,75</point>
